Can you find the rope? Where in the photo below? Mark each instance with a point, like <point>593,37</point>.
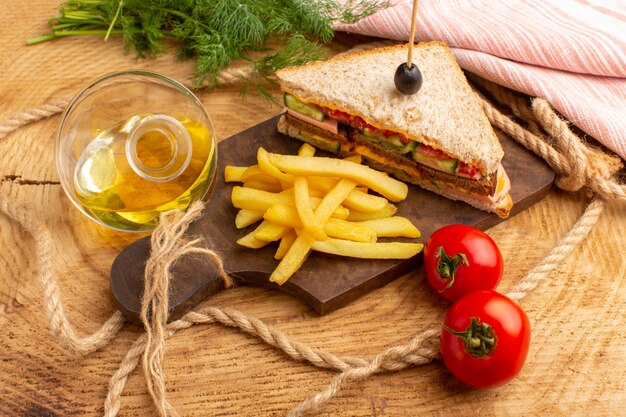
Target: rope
<point>558,253</point>
<point>576,165</point>
<point>168,246</point>
<point>420,350</point>
<point>60,325</point>
<point>32,115</point>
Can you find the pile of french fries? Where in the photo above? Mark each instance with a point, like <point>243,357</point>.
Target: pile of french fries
<point>315,203</point>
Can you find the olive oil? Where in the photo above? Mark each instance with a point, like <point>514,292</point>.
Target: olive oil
<point>143,166</point>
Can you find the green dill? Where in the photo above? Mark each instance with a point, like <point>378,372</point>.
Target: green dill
<point>215,32</point>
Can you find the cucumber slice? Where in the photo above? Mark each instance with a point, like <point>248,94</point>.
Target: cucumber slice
<point>408,147</point>
<point>304,108</point>
<point>393,142</point>
<point>447,165</point>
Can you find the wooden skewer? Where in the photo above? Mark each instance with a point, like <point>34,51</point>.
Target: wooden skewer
<point>409,59</point>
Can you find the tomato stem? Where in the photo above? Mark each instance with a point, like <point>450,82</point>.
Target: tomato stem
<point>447,266</point>
<point>479,339</point>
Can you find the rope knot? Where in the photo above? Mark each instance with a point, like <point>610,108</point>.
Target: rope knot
<point>168,246</point>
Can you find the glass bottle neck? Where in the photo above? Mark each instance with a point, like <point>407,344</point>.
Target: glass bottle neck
<point>158,147</point>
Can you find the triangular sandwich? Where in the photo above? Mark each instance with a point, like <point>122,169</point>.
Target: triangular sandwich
<point>438,138</point>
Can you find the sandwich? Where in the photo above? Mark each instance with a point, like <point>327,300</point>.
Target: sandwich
<point>438,138</point>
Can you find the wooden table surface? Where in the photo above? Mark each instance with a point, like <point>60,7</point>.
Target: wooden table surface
<point>577,357</point>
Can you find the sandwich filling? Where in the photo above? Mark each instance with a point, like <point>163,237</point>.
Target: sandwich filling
<point>394,142</point>
<point>342,133</point>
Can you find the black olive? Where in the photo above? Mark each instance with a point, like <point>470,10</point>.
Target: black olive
<point>408,80</point>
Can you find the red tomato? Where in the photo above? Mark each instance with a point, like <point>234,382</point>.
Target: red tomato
<point>495,351</point>
<point>460,259</point>
<point>467,170</point>
<point>360,124</point>
<point>404,138</point>
<point>339,115</point>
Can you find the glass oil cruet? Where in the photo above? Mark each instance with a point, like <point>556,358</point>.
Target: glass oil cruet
<point>134,144</point>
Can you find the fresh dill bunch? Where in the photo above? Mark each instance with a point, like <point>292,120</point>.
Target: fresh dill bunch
<point>215,32</point>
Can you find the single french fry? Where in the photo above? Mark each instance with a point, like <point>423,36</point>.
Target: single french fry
<point>247,217</point>
<point>252,199</point>
<point>378,250</point>
<point>271,232</point>
<point>305,212</point>
<point>285,243</point>
<point>234,173</point>
<point>293,260</point>
<point>387,211</point>
<point>337,228</point>
<point>252,242</point>
<point>262,185</point>
<point>395,226</point>
<point>385,185</point>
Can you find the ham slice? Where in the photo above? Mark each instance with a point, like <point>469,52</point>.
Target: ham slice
<point>328,124</point>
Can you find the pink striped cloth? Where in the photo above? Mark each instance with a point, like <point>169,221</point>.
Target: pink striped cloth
<point>570,52</point>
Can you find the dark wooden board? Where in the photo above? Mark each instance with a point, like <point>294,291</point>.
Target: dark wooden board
<point>325,282</point>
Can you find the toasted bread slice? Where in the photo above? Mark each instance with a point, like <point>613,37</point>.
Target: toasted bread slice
<point>444,114</point>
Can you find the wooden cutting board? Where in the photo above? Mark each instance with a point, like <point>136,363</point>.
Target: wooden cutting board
<point>325,282</point>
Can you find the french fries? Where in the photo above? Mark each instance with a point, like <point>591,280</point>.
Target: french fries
<point>379,250</point>
<point>303,205</point>
<point>394,226</point>
<point>246,217</point>
<point>285,243</point>
<point>337,228</point>
<point>383,184</point>
<point>310,203</point>
<point>293,260</point>
<point>387,211</point>
<point>233,173</point>
<point>253,199</point>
